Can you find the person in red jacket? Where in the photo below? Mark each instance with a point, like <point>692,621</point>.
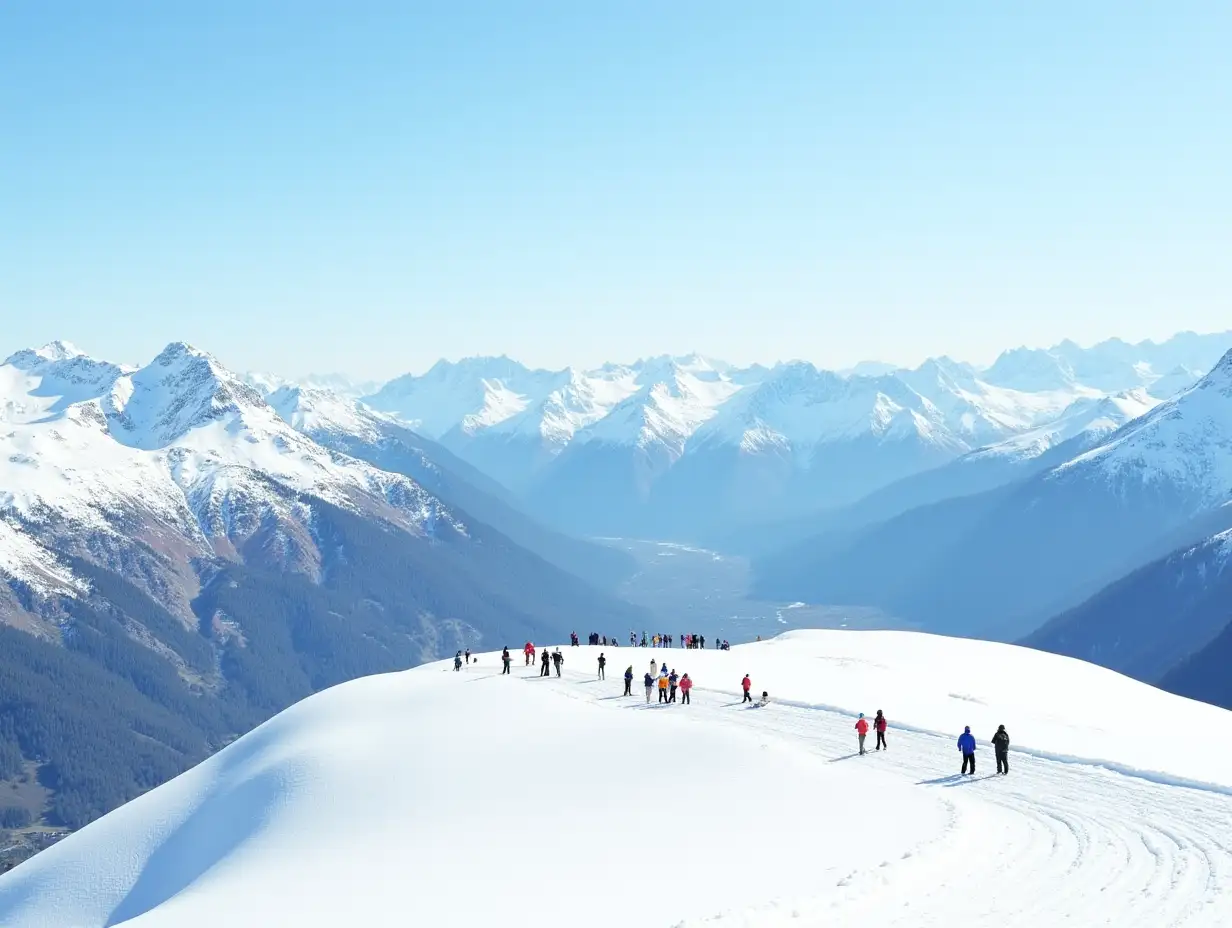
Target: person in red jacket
<point>879,725</point>
<point>685,685</point>
<point>529,651</point>
<point>861,731</point>
<point>748,685</point>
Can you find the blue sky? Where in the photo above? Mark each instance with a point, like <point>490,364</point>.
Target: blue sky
<point>367,187</point>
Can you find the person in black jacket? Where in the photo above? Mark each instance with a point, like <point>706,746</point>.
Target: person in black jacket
<point>629,681</point>
<point>505,660</point>
<point>1001,744</point>
<point>547,658</point>
<point>557,659</point>
<point>602,665</point>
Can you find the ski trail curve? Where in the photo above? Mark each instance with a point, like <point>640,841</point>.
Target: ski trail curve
<point>1056,842</point>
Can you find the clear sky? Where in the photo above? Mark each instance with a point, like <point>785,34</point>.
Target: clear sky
<point>366,187</point>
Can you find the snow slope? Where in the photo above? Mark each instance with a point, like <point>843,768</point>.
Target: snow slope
<point>430,797</point>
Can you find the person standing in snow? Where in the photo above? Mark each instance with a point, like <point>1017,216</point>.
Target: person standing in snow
<point>662,689</point>
<point>1001,744</point>
<point>457,661</point>
<point>747,684</point>
<point>649,687</point>
<point>685,685</point>
<point>861,731</point>
<point>672,680</point>
<point>629,681</point>
<point>529,651</point>
<point>557,659</point>
<point>467,654</point>
<point>654,667</point>
<point>545,660</point>
<point>506,660</point>
<point>966,744</point>
<point>880,725</point>
<point>602,664</point>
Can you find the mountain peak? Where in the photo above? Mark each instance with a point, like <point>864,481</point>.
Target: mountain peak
<point>52,352</point>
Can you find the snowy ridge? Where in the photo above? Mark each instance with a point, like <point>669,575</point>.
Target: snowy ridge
<point>478,406</point>
<point>334,812</point>
<point>1186,441</point>
<point>1089,417</point>
<point>180,448</point>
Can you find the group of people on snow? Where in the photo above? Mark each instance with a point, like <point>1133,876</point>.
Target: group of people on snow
<point>879,725</point>
<point>668,641</point>
<point>668,683</point>
<point>1000,745</point>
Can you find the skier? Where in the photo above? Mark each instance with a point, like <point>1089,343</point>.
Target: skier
<point>545,672</point>
<point>879,725</point>
<point>861,731</point>
<point>602,664</point>
<point>505,660</point>
<point>457,661</point>
<point>966,744</point>
<point>1001,744</point>
<point>748,685</point>
<point>557,659</point>
<point>649,687</point>
<point>685,685</point>
<point>629,681</point>
<point>672,681</point>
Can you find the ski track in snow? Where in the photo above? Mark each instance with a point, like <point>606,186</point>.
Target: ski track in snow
<point>1055,842</point>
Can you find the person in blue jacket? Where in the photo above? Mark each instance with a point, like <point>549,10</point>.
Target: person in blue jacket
<point>966,744</point>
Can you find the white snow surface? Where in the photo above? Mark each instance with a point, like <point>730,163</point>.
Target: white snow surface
<point>433,797</point>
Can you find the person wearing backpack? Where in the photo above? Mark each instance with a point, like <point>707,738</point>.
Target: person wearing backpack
<point>861,731</point>
<point>1001,744</point>
<point>880,725</point>
<point>506,660</point>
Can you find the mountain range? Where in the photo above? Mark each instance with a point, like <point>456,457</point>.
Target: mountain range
<point>186,550</point>
<point>684,448</point>
<point>180,558</point>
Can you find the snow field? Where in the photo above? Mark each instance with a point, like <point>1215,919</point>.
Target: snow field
<point>470,798</point>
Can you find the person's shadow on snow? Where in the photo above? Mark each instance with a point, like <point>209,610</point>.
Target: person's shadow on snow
<point>954,779</point>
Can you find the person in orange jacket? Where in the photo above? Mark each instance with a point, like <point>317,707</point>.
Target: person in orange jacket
<point>663,689</point>
<point>862,731</point>
<point>748,685</point>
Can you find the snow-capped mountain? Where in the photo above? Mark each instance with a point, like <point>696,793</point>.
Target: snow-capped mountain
<point>1004,561</point>
<point>679,444</point>
<point>179,559</point>
<point>373,803</point>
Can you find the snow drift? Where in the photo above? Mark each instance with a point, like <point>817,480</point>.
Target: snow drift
<point>473,798</point>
